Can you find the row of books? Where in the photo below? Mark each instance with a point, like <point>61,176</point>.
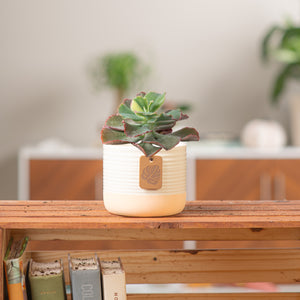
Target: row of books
<point>90,277</point>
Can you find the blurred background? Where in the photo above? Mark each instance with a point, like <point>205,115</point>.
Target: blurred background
<point>205,53</point>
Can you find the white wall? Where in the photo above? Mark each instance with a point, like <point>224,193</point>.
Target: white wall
<point>202,51</point>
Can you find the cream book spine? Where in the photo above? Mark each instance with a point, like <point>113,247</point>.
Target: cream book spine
<point>113,280</point>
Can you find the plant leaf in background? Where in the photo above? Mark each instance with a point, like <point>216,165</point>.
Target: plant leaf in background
<point>288,71</point>
<point>118,71</point>
<point>282,44</point>
<point>266,41</point>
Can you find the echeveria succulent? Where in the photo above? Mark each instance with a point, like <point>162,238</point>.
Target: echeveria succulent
<point>138,122</point>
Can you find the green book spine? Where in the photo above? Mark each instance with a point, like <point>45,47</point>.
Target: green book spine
<point>47,287</point>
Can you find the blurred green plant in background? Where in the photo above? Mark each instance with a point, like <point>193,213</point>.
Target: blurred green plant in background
<point>120,71</point>
<point>282,44</point>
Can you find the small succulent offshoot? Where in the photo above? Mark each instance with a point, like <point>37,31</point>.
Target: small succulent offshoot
<point>138,122</point>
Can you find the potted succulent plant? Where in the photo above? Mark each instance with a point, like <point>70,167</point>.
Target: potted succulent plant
<point>144,160</point>
<point>282,44</point>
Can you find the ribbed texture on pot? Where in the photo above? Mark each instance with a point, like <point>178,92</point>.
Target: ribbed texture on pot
<point>121,170</point>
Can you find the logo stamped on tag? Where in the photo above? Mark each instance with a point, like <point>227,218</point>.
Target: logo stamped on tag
<point>151,172</point>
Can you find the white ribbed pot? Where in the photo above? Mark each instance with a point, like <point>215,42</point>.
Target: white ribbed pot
<point>122,193</point>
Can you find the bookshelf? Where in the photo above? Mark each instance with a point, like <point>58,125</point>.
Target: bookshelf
<point>56,228</point>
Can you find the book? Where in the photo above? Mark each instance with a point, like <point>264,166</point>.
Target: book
<point>47,280</point>
<point>113,280</point>
<point>85,278</point>
<point>15,264</point>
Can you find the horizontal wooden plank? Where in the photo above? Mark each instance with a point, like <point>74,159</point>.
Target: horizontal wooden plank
<point>215,296</point>
<point>195,206</point>
<point>55,213</point>
<point>87,245</point>
<point>96,212</point>
<point>206,234</point>
<point>217,266</point>
<point>92,215</point>
<point>47,202</point>
<point>88,222</point>
<point>189,203</point>
<point>28,208</point>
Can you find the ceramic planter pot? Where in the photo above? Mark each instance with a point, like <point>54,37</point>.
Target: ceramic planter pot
<point>122,193</point>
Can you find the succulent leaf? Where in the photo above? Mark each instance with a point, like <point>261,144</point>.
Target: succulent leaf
<point>164,122</point>
<point>187,134</point>
<point>139,104</point>
<point>163,117</point>
<point>110,136</point>
<point>134,130</point>
<point>165,141</point>
<point>142,94</point>
<point>127,102</point>
<point>115,122</point>
<point>148,149</point>
<point>162,126</point>
<point>127,113</point>
<point>155,100</point>
<point>176,114</point>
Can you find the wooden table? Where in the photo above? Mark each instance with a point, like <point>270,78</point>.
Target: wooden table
<point>57,228</point>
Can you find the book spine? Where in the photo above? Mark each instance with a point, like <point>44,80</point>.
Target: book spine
<point>85,280</point>
<point>114,287</point>
<point>47,287</point>
<point>85,284</point>
<point>113,281</point>
<point>15,279</point>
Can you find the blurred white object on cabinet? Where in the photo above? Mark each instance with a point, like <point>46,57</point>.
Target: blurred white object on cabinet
<point>263,134</point>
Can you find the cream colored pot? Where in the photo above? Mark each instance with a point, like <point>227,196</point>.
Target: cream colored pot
<point>122,193</point>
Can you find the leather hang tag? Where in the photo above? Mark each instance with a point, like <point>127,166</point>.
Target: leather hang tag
<point>151,172</point>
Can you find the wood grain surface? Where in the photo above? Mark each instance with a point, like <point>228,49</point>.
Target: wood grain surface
<point>206,214</point>
<point>229,296</point>
<point>230,179</point>
<point>288,174</point>
<point>199,266</point>
<point>247,179</point>
<point>56,227</point>
<point>65,179</point>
